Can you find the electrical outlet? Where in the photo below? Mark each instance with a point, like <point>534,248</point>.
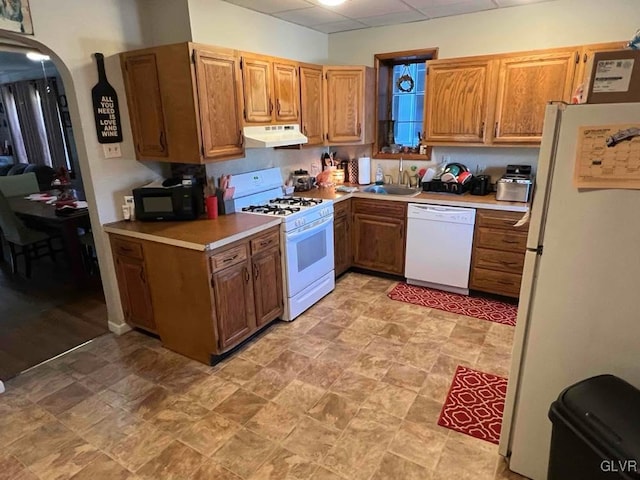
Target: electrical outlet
<point>111,150</point>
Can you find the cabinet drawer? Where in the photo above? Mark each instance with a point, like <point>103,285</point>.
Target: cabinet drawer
<point>229,257</point>
<point>127,249</point>
<point>265,242</point>
<point>498,260</point>
<point>341,209</point>
<point>500,283</point>
<point>501,240</point>
<point>380,208</point>
<point>500,219</point>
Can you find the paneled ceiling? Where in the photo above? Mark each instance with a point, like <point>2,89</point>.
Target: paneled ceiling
<point>358,14</point>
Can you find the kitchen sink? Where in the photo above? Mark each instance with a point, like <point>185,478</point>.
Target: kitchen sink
<point>392,190</point>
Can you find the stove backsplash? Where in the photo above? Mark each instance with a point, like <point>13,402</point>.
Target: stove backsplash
<point>257,159</point>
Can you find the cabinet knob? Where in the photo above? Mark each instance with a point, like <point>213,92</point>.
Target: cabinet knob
<point>162,144</point>
<point>270,106</point>
<point>240,138</point>
<point>481,130</point>
<point>359,129</point>
<point>256,271</point>
<point>246,274</point>
<point>495,130</point>
<point>278,105</point>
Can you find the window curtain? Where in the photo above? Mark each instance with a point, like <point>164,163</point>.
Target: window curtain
<point>48,93</point>
<point>14,124</point>
<point>25,98</point>
<point>39,123</point>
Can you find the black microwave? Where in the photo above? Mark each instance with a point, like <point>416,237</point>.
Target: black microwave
<point>179,202</point>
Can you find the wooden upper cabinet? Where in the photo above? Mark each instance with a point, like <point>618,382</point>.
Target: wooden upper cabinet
<point>286,88</point>
<point>145,105</point>
<point>526,84</point>
<point>586,54</point>
<point>457,100</point>
<point>311,104</point>
<point>258,90</point>
<point>349,100</point>
<point>219,101</point>
<point>185,102</point>
<point>271,90</point>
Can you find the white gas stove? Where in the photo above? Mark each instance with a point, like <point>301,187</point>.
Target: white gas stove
<point>306,236</point>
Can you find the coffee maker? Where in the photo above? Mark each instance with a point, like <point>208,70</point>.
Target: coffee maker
<point>481,185</point>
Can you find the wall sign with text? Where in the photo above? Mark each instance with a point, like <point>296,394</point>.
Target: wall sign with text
<point>105,107</point>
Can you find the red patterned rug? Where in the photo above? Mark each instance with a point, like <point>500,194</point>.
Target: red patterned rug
<point>482,308</point>
<point>475,404</point>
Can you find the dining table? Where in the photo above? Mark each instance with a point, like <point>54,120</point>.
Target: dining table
<point>40,214</point>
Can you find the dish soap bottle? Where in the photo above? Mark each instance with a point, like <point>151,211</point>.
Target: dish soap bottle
<point>379,175</point>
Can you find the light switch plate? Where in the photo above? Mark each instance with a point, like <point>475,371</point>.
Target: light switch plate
<point>112,150</point>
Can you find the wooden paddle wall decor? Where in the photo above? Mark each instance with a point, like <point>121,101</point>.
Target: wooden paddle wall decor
<point>105,107</point>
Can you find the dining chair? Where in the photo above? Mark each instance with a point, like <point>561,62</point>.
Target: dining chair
<point>30,241</point>
<point>14,185</point>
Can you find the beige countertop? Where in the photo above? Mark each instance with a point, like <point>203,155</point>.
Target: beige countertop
<point>488,202</point>
<point>202,235</point>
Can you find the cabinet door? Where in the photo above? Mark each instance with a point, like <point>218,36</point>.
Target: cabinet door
<point>342,237</point>
<point>344,100</point>
<point>219,102</point>
<point>234,303</point>
<point>379,243</point>
<point>267,285</point>
<point>311,104</point>
<point>526,84</point>
<point>287,92</point>
<point>145,105</point>
<point>258,101</point>
<point>457,100</point>
<point>134,292</point>
<point>586,54</point>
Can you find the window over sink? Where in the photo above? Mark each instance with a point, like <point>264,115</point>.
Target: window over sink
<point>401,99</point>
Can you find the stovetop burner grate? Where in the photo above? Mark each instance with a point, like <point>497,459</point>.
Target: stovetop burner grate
<point>303,202</point>
<point>271,209</point>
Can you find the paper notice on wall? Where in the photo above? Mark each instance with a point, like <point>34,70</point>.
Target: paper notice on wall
<point>608,156</point>
<point>613,75</point>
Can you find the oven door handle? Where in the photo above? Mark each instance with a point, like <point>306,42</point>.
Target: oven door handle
<point>310,229</point>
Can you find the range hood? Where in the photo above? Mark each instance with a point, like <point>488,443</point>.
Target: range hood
<point>268,136</point>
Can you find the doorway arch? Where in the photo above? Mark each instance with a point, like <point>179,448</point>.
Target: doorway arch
<point>109,285</point>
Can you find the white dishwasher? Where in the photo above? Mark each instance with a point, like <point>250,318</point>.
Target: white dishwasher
<point>439,241</point>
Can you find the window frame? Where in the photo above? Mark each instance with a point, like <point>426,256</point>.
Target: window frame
<point>384,63</point>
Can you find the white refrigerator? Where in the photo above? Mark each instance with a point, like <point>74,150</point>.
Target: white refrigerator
<point>579,311</point>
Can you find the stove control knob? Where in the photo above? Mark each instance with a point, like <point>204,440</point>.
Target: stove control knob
<point>300,222</point>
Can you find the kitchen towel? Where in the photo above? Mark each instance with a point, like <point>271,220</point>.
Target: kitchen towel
<point>364,170</point>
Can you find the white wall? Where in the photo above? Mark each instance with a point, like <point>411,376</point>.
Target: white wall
<point>71,30</point>
<point>220,23</point>
<point>529,27</point>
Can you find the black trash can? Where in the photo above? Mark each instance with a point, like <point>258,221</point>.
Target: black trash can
<point>596,431</point>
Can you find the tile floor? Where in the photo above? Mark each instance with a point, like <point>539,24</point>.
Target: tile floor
<point>350,390</point>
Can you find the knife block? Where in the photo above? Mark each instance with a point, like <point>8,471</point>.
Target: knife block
<point>225,207</point>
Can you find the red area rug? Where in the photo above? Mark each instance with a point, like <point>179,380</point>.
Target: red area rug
<point>482,308</point>
<point>475,404</point>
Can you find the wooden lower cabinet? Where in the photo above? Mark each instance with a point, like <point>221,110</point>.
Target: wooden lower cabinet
<point>201,304</point>
<point>267,285</point>
<point>132,282</point>
<point>342,241</point>
<point>498,253</point>
<point>379,230</point>
<point>234,303</point>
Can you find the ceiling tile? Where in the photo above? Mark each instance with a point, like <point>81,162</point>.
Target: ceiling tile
<point>271,6</point>
<point>445,9</point>
<point>393,19</point>
<point>367,8</point>
<point>341,26</point>
<point>513,3</point>
<point>310,16</point>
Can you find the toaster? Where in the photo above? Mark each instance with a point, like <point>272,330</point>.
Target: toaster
<point>302,181</point>
<point>514,188</point>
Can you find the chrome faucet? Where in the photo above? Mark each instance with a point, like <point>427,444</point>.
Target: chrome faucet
<point>403,176</point>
